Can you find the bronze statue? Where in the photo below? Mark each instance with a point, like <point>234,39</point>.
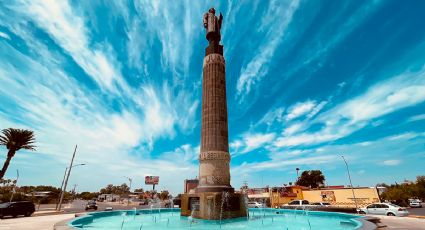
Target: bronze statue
<point>213,25</point>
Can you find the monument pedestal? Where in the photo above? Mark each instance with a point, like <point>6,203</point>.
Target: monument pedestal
<point>213,205</point>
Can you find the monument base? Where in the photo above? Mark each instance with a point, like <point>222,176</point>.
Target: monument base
<point>214,205</point>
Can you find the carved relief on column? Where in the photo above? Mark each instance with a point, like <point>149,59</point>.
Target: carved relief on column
<point>214,58</point>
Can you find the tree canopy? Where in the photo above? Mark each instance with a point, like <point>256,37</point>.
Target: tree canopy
<point>400,193</point>
<point>311,178</point>
<point>115,189</point>
<point>14,140</point>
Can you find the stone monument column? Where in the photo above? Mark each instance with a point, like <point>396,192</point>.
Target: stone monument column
<point>214,198</point>
<point>214,158</point>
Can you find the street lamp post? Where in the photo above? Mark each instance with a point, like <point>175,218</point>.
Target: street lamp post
<point>298,169</point>
<point>67,177</point>
<point>60,194</point>
<point>351,184</point>
<point>63,180</point>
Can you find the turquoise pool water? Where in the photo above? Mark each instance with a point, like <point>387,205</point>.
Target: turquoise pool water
<point>264,219</point>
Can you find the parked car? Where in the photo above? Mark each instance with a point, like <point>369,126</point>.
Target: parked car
<point>91,205</point>
<point>17,208</point>
<point>415,204</point>
<point>297,202</point>
<point>326,204</point>
<point>254,204</point>
<point>384,209</point>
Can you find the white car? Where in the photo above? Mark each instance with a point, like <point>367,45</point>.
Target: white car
<point>415,204</point>
<point>297,202</point>
<point>384,209</point>
<point>326,204</point>
<point>254,204</point>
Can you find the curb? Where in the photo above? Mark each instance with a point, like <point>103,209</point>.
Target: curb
<point>48,213</point>
<point>416,216</point>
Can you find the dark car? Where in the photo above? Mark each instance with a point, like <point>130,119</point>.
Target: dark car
<point>91,205</point>
<point>17,208</point>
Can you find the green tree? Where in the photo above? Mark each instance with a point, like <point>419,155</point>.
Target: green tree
<point>311,178</point>
<point>115,189</point>
<point>139,190</point>
<point>88,195</point>
<point>164,195</point>
<point>14,140</point>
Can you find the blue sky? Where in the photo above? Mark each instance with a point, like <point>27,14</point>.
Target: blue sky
<point>307,82</point>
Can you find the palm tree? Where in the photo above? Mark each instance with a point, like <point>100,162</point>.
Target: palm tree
<point>14,140</point>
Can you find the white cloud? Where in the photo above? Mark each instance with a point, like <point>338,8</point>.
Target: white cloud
<point>404,90</point>
<point>250,142</point>
<point>63,113</point>
<point>68,29</point>
<point>280,165</point>
<point>300,109</point>
<point>419,117</point>
<point>391,162</point>
<point>257,67</point>
<point>4,35</point>
<point>274,115</point>
<point>161,19</point>
<point>408,135</point>
<point>293,129</point>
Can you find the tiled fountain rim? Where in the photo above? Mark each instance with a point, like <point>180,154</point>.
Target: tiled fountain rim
<point>73,223</point>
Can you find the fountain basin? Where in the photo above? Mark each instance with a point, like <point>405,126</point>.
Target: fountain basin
<point>266,219</point>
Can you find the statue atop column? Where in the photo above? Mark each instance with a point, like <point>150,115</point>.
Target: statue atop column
<point>213,25</point>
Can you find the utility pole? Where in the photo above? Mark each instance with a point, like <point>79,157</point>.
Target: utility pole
<point>351,184</point>
<point>66,180</point>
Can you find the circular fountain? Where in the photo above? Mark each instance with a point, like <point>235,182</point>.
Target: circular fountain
<point>265,219</point>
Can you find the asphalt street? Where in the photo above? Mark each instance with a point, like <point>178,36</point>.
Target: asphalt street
<point>417,211</point>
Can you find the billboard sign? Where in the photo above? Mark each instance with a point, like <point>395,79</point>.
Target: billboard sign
<point>151,179</point>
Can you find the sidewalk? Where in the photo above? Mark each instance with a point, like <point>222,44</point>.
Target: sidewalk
<point>47,212</point>
<point>33,222</point>
<point>405,223</point>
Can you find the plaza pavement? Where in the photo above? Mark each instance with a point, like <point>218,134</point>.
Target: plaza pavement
<point>402,223</point>
<point>33,222</point>
<point>47,222</point>
<point>46,217</point>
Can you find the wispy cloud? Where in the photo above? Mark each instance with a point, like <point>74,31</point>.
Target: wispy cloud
<point>300,109</point>
<point>391,162</point>
<point>419,117</point>
<point>257,67</point>
<point>250,142</point>
<point>390,95</point>
<point>4,35</point>
<point>68,29</point>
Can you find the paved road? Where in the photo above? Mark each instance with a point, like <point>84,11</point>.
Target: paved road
<point>417,211</point>
<point>79,206</point>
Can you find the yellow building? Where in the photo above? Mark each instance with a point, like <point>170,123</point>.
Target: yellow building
<point>343,196</point>
<point>283,195</point>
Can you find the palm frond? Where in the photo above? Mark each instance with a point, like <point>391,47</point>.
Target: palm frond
<point>17,139</point>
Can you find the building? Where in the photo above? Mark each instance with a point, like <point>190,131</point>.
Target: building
<point>190,185</point>
<point>335,195</point>
<point>343,196</point>
<point>108,197</point>
<point>259,194</point>
<point>283,195</point>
